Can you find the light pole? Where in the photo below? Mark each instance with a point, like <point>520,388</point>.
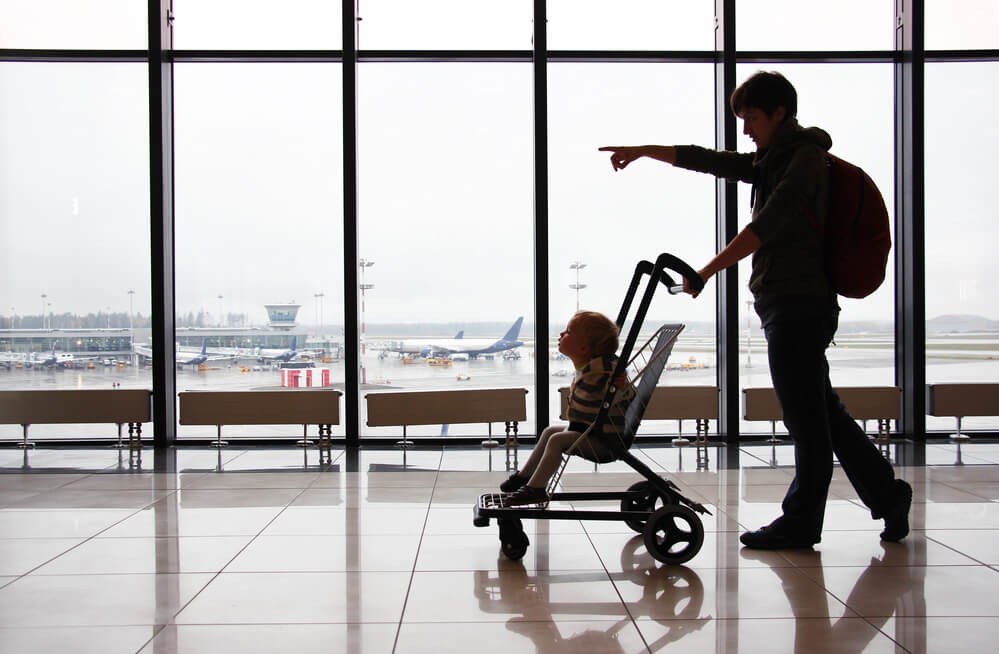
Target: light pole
<point>43,309</point>
<point>49,304</point>
<point>364,287</point>
<point>221,321</point>
<point>130,294</point>
<point>13,317</point>
<point>577,266</point>
<point>319,298</point>
<point>109,317</point>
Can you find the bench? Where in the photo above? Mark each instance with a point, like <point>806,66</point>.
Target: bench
<point>319,407</point>
<point>957,400</point>
<point>697,403</point>
<point>881,403</point>
<point>131,406</point>
<point>488,405</point>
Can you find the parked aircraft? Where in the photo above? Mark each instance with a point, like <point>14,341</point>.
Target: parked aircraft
<point>201,357</point>
<point>264,355</point>
<point>459,345</point>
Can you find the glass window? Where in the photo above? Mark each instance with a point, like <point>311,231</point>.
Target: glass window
<point>796,25</point>
<point>445,25</point>
<point>630,25</point>
<point>609,221</point>
<point>962,24</point>
<point>259,237</point>
<point>74,277</point>
<point>446,215</point>
<point>854,104</point>
<point>71,24</point>
<point>257,25</point>
<point>961,267</point>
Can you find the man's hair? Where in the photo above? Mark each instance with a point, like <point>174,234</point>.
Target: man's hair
<point>765,91</point>
<point>599,331</point>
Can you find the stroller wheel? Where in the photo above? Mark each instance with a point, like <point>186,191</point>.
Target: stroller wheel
<point>513,540</point>
<point>674,534</point>
<point>645,502</point>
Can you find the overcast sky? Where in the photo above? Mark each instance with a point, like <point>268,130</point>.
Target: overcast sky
<point>445,156</point>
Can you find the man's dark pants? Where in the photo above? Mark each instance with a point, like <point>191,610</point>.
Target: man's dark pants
<point>819,426</point>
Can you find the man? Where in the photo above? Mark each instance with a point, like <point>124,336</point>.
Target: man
<point>796,305</point>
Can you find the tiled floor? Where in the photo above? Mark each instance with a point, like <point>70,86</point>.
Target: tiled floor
<point>258,550</point>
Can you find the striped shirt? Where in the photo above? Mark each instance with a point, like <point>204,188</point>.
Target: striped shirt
<point>586,395</point>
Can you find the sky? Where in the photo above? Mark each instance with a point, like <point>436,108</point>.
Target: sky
<point>445,161</point>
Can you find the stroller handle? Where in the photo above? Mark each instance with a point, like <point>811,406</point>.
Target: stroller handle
<point>666,261</point>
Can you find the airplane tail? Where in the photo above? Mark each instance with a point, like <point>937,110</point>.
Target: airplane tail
<point>460,335</point>
<point>293,339</point>
<point>204,346</point>
<point>514,331</point>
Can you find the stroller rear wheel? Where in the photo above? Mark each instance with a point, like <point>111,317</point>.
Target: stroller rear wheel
<point>513,540</point>
<point>674,534</point>
<point>645,502</point>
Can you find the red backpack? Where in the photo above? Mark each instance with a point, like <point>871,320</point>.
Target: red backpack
<point>857,233</point>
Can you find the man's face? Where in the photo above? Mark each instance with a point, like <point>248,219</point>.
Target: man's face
<point>760,127</point>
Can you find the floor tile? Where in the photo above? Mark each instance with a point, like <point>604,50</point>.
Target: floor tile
<point>903,591</point>
<point>79,640</point>
<point>147,555</point>
<point>89,600</point>
<point>926,635</point>
<point>482,552</point>
<point>355,552</point>
<point>19,556</point>
<point>55,523</point>
<point>269,638</point>
<point>166,518</point>
<point>299,597</point>
<point>591,637</point>
<point>512,594</point>
<point>978,544</point>
<point>754,636</point>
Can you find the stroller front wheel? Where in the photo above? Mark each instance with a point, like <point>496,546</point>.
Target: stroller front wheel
<point>513,540</point>
<point>674,534</point>
<point>645,502</point>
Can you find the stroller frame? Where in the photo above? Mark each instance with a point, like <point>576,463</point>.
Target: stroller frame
<point>669,521</point>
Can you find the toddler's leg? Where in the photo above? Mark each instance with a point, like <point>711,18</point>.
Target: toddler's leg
<point>551,458</point>
<point>538,452</point>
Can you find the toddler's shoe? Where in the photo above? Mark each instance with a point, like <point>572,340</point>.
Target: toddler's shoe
<point>513,483</point>
<point>897,517</point>
<point>526,495</point>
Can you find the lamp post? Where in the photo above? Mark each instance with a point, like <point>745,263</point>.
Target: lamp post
<point>221,321</point>
<point>577,266</point>
<point>364,287</point>
<point>109,317</point>
<point>43,309</point>
<point>319,299</point>
<point>130,294</point>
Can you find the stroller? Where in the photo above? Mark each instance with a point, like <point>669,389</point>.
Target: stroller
<point>655,508</point>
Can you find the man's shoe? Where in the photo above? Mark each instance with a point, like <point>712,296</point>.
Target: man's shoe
<point>897,517</point>
<point>526,495</point>
<point>775,538</point>
<point>513,483</point>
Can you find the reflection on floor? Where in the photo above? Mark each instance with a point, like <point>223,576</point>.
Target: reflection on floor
<point>259,550</point>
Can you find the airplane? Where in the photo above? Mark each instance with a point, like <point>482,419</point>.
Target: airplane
<point>201,357</point>
<point>460,345</point>
<point>279,355</point>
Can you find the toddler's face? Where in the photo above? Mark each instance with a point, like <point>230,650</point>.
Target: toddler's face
<point>571,343</point>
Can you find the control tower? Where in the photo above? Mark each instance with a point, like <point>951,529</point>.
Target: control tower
<point>282,316</point>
